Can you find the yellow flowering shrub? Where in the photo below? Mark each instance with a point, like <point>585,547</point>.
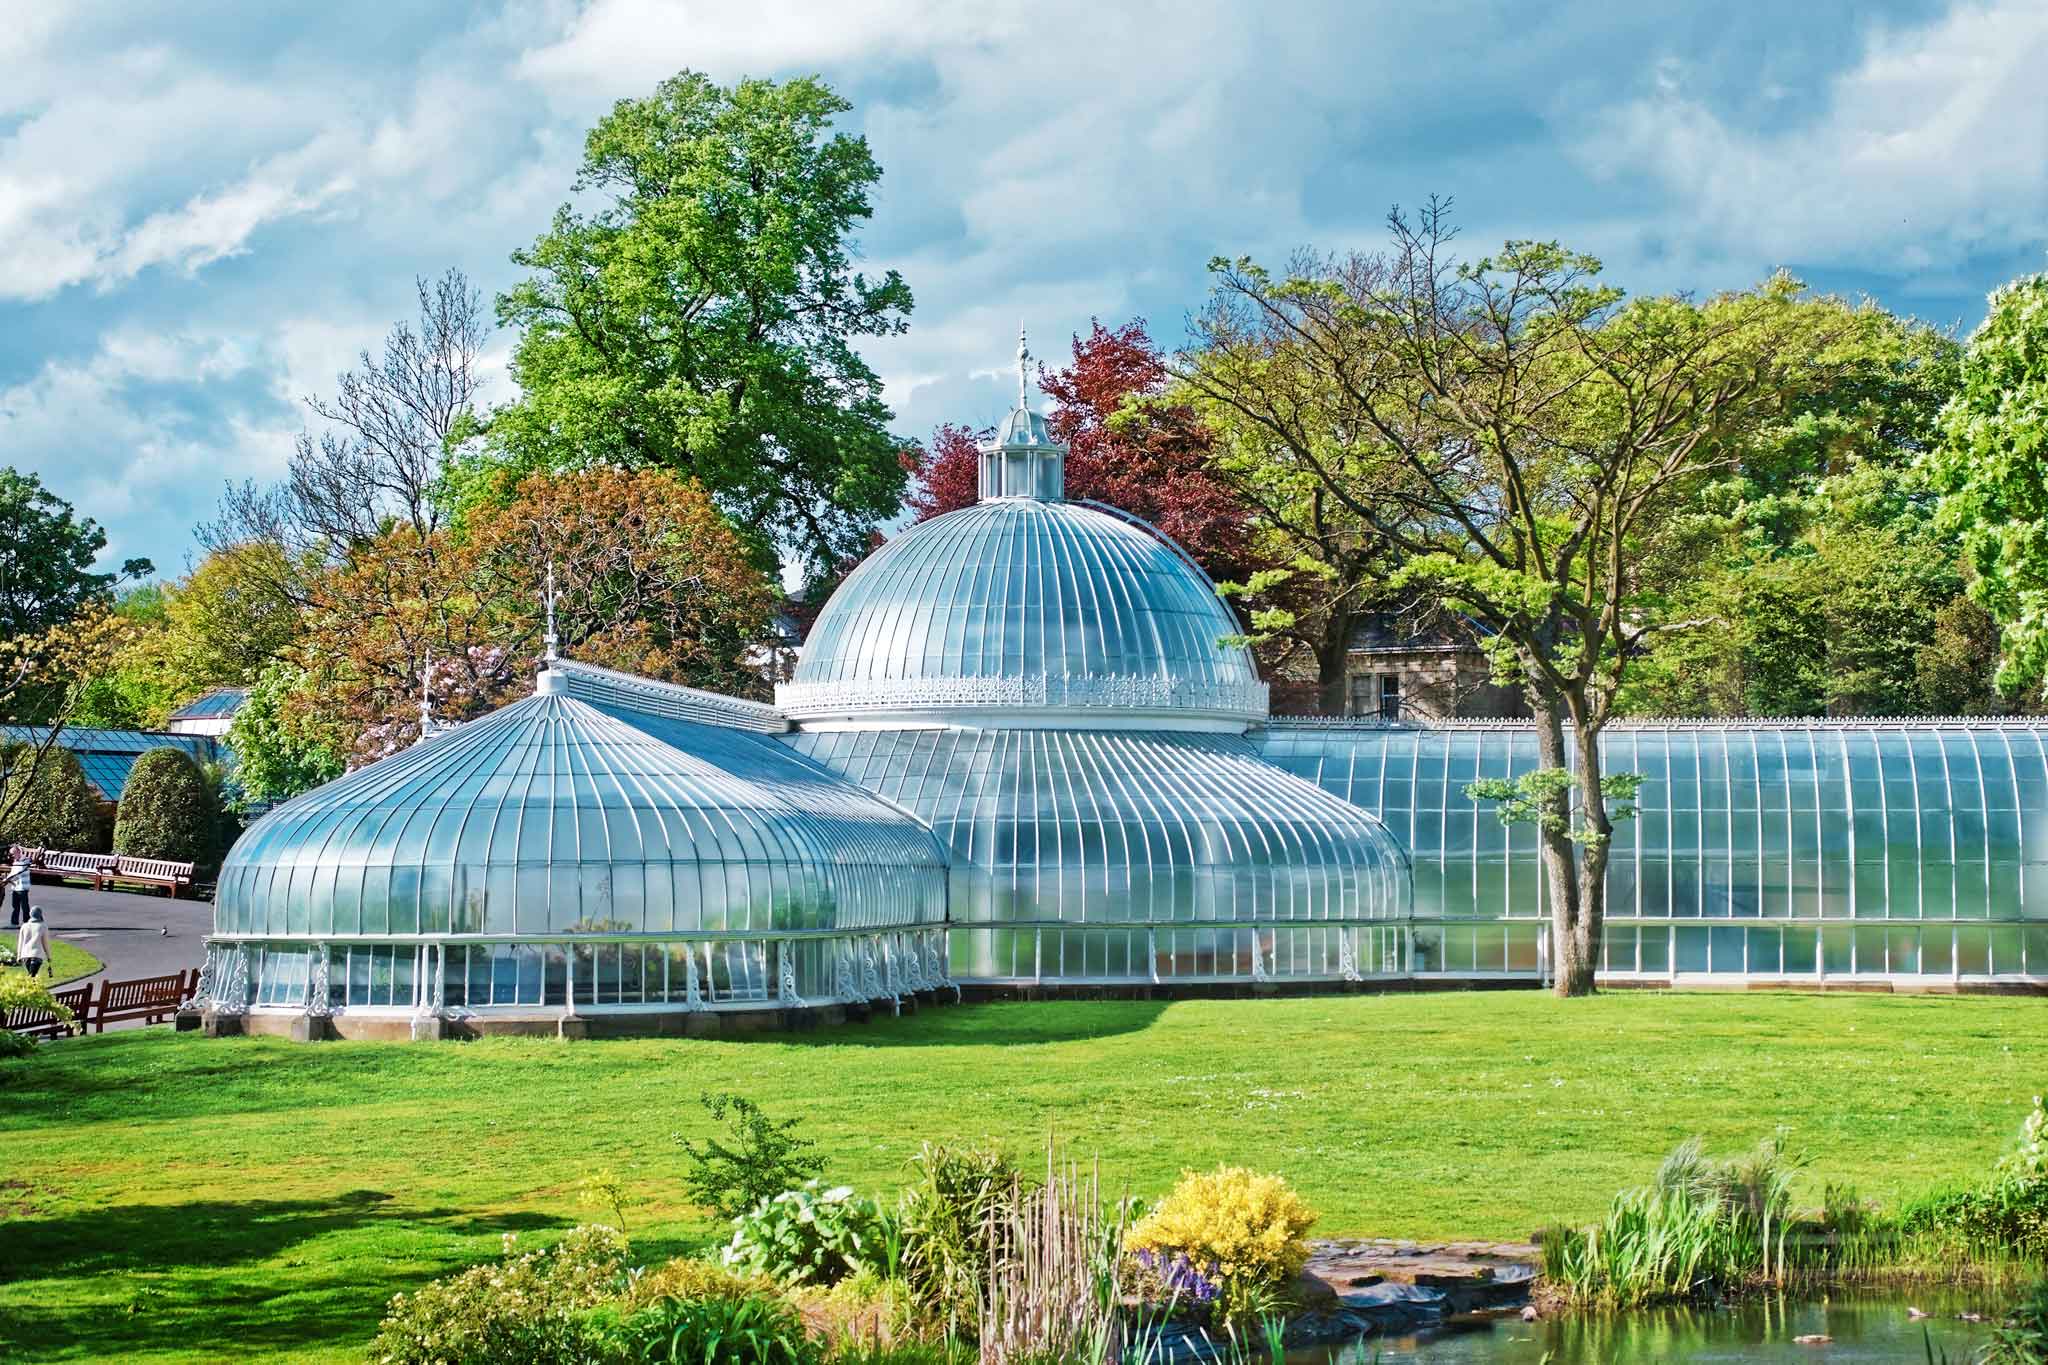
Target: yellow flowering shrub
<point>1231,1236</point>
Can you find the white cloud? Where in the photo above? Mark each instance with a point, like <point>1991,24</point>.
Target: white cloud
<point>632,44</point>
<point>210,227</point>
<point>114,434</point>
<point>1929,148</point>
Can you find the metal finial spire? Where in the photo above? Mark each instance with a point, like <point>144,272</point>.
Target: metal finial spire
<point>1023,359</point>
<point>550,637</point>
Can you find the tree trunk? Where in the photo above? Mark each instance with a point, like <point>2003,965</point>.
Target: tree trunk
<point>1570,965</point>
<point>1596,843</point>
<point>1333,658</point>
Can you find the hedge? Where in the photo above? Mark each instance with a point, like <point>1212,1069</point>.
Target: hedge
<point>168,810</point>
<point>53,807</point>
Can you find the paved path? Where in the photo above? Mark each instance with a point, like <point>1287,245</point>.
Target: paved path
<point>132,933</point>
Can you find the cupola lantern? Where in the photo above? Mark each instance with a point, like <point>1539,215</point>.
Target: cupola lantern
<point>1023,461</point>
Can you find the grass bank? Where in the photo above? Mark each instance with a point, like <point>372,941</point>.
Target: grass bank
<point>69,963</point>
<point>170,1198</point>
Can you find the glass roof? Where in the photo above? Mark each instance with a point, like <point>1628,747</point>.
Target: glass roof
<point>1020,602</point>
<point>551,816</point>
<point>222,701</point>
<point>108,755</point>
<point>1788,820</point>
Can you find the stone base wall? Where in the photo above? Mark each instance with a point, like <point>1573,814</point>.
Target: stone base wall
<point>378,1027</point>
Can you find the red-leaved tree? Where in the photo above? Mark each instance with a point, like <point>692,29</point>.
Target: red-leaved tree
<point>1151,462</point>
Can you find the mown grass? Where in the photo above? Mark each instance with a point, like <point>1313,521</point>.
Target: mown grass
<point>171,1198</point>
<point>69,963</point>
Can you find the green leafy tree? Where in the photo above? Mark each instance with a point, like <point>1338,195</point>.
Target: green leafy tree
<point>278,753</point>
<point>1537,439</point>
<point>701,315</point>
<point>46,557</point>
<point>132,692</point>
<point>168,810</point>
<point>1815,573</point>
<point>49,803</point>
<point>1991,468</point>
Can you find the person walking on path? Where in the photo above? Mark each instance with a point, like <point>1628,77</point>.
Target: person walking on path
<point>17,886</point>
<point>32,944</point>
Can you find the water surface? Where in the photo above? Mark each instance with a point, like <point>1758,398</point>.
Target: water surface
<point>1864,1329</point>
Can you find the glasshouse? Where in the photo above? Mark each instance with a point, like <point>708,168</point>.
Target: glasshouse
<point>1021,751</point>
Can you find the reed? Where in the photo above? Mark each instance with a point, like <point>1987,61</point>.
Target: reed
<point>1054,1290</point>
<point>1701,1229</point>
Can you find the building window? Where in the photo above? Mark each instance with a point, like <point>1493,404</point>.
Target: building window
<point>1364,695</point>
<point>1390,696</point>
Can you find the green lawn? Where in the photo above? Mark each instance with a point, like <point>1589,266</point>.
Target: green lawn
<point>68,963</point>
<point>173,1198</point>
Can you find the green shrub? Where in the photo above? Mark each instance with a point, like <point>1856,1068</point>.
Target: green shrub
<point>168,810</point>
<point>765,1159</point>
<point>812,1235</point>
<point>753,1330</point>
<point>49,803</point>
<point>2028,1159</point>
<point>956,1197</point>
<point>2022,1338</point>
<point>530,1308</point>
<point>866,1306</point>
<point>686,1277</point>
<point>18,990</point>
<point>2007,1216</point>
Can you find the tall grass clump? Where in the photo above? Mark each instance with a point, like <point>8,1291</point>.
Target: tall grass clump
<point>1054,1289</point>
<point>1701,1229</point>
<point>950,1208</point>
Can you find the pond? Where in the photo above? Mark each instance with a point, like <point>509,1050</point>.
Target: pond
<point>1863,1329</point>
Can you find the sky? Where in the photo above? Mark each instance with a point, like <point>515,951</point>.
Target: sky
<point>207,209</point>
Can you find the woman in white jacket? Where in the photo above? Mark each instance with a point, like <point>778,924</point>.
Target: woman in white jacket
<point>32,944</point>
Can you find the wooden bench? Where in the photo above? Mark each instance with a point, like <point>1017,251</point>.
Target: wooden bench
<point>152,999</point>
<point>42,1023</point>
<point>60,867</point>
<point>108,869</point>
<point>173,877</point>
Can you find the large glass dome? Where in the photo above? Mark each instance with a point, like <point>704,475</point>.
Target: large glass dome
<point>1018,602</point>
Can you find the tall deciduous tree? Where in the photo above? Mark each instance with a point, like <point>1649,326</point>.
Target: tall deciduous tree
<point>1992,471</point>
<point>1817,570</point>
<point>945,475</point>
<point>702,317</point>
<point>283,745</point>
<point>378,462</point>
<point>650,577</point>
<point>1537,438</point>
<point>46,558</point>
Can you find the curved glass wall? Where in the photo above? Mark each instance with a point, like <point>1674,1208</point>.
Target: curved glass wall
<point>1786,849</point>
<point>554,852</point>
<point>1120,856</point>
<point>1018,602</point>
